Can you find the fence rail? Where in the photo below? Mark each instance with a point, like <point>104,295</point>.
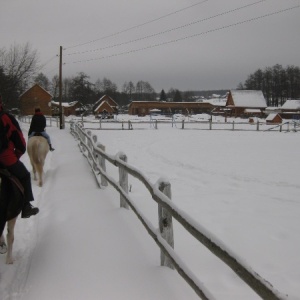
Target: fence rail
<point>161,193</point>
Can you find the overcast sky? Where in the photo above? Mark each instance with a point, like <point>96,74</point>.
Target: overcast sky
<point>181,44</point>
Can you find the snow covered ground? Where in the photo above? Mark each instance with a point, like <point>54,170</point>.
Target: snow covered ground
<point>242,186</point>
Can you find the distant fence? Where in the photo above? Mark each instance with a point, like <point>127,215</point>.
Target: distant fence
<point>51,121</point>
<point>161,193</point>
<point>194,125</point>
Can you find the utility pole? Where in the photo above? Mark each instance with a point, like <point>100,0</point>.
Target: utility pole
<point>61,121</point>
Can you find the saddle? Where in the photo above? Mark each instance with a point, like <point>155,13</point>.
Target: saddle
<point>11,197</point>
<point>38,134</point>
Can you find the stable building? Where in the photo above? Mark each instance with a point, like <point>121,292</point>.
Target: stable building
<point>105,106</point>
<point>69,108</point>
<point>290,109</point>
<point>34,97</point>
<point>241,103</point>
<point>142,108</point>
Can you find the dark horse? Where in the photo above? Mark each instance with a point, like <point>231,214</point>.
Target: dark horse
<point>11,203</point>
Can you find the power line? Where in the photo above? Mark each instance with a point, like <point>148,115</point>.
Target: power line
<point>137,26</point>
<point>190,36</point>
<point>47,62</point>
<point>169,30</point>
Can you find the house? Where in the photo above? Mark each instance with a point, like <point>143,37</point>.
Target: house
<point>105,106</point>
<point>246,102</point>
<point>69,108</point>
<point>34,97</point>
<point>273,118</point>
<point>290,109</point>
<point>142,108</point>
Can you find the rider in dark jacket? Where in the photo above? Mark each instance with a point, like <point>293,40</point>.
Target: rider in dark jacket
<point>38,125</point>
<point>10,159</point>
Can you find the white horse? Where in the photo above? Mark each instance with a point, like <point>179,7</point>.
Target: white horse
<point>11,203</point>
<point>37,148</point>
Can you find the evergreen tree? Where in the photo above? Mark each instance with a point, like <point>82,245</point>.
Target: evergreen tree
<point>177,96</point>
<point>163,96</point>
<point>277,84</point>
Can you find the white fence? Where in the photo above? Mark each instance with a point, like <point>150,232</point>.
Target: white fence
<point>161,193</point>
<point>233,125</point>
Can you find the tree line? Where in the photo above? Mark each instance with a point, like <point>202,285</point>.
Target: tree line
<point>19,70</point>
<point>277,83</point>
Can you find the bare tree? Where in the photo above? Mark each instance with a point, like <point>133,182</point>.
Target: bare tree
<point>55,86</point>
<point>43,81</point>
<point>19,64</point>
<point>129,89</point>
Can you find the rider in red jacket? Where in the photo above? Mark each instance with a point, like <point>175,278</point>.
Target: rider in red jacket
<point>14,148</point>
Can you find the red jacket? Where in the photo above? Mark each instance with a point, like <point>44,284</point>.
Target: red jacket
<point>16,142</point>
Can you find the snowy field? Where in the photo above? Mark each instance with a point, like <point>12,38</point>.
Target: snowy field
<point>242,186</point>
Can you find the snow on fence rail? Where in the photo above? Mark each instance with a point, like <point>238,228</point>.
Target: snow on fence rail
<point>161,193</point>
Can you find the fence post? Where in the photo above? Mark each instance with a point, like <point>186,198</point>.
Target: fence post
<point>233,125</point>
<point>102,165</point>
<point>210,124</point>
<point>257,127</point>
<point>165,224</point>
<point>182,125</point>
<point>155,124</point>
<point>123,180</point>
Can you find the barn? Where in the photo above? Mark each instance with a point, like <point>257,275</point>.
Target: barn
<point>36,96</point>
<point>69,108</point>
<point>105,106</point>
<point>290,109</point>
<point>241,102</point>
<point>142,108</point>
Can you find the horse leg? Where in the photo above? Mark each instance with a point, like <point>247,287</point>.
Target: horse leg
<point>34,171</point>
<point>3,247</point>
<point>39,168</point>
<point>10,239</point>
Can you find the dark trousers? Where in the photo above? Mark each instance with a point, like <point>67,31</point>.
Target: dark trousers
<point>19,170</point>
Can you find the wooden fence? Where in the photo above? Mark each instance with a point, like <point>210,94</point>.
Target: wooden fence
<point>161,193</point>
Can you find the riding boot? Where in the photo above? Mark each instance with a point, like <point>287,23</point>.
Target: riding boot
<point>51,149</point>
<point>28,211</point>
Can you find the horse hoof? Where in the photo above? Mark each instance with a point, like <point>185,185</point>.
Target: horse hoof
<point>9,261</point>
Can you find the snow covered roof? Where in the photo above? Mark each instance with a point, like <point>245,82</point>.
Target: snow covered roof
<point>252,110</point>
<point>248,98</point>
<point>271,116</point>
<point>65,104</point>
<point>291,104</point>
<point>216,101</point>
